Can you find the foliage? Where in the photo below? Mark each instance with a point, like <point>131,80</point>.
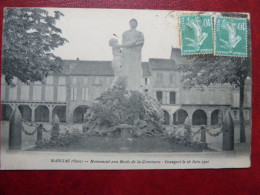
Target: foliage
<point>184,136</point>
<point>64,139</point>
<point>212,70</point>
<point>116,107</point>
<point>184,140</point>
<point>29,36</point>
<point>55,131</point>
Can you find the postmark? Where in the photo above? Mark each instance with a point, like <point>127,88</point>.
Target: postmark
<point>230,37</point>
<point>196,34</point>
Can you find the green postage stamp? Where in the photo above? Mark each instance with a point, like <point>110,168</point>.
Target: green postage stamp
<point>196,34</point>
<point>231,37</point>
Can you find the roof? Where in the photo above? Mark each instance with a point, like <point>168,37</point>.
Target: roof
<point>88,68</point>
<point>177,57</point>
<point>162,64</point>
<point>95,68</point>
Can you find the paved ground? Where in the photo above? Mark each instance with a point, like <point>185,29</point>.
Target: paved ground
<point>101,144</point>
<point>139,144</point>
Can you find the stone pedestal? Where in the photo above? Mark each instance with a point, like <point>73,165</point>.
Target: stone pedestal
<point>15,130</point>
<point>228,132</point>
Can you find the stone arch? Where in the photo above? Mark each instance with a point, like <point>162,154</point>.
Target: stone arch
<point>7,111</point>
<point>26,112</point>
<point>61,112</point>
<point>179,116</point>
<point>199,117</point>
<point>42,114</point>
<point>78,113</point>
<point>216,117</point>
<point>166,118</point>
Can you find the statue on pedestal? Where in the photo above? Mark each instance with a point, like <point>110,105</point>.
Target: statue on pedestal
<point>127,64</point>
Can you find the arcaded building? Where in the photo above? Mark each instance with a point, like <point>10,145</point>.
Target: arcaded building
<point>70,93</point>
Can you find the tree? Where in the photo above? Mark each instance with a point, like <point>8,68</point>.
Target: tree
<point>211,70</point>
<point>29,37</point>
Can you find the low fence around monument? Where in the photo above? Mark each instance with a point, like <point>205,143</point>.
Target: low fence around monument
<point>25,134</point>
<point>218,137</point>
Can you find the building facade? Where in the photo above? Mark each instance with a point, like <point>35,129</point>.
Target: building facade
<point>70,93</point>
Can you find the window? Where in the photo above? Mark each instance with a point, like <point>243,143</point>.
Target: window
<point>108,81</point>
<point>159,96</point>
<point>146,81</point>
<point>85,81</point>
<point>146,90</point>
<point>165,99</point>
<point>235,112</point>
<point>85,94</point>
<point>246,114</point>
<point>74,80</point>
<point>49,80</point>
<point>160,78</point>
<point>12,93</point>
<point>96,80</point>
<point>172,78</point>
<point>61,93</point>
<point>49,93</point>
<point>73,94</point>
<point>62,80</point>
<point>172,97</point>
<point>37,92</point>
<point>96,93</point>
<point>101,80</point>
<point>25,90</point>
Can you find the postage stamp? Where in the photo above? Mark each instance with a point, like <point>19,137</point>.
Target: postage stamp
<point>196,34</point>
<point>231,37</point>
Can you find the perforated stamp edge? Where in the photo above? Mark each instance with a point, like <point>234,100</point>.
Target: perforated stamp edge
<point>180,34</point>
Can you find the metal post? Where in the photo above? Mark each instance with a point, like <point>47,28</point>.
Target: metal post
<point>187,127</point>
<point>55,128</point>
<point>203,134</point>
<point>39,134</point>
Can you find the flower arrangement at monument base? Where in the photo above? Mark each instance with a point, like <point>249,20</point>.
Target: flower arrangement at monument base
<point>119,109</point>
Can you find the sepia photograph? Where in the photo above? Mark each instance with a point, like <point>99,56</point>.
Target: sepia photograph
<point>125,89</point>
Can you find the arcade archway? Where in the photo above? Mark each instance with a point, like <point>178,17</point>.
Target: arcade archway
<point>166,118</point>
<point>216,117</point>
<point>26,112</point>
<point>78,114</point>
<point>199,117</point>
<point>6,112</point>
<point>179,117</point>
<point>42,114</point>
<point>61,112</point>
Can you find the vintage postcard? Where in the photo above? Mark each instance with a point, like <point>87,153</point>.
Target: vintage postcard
<point>125,89</point>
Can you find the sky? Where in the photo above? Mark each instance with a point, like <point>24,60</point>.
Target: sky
<point>89,30</point>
